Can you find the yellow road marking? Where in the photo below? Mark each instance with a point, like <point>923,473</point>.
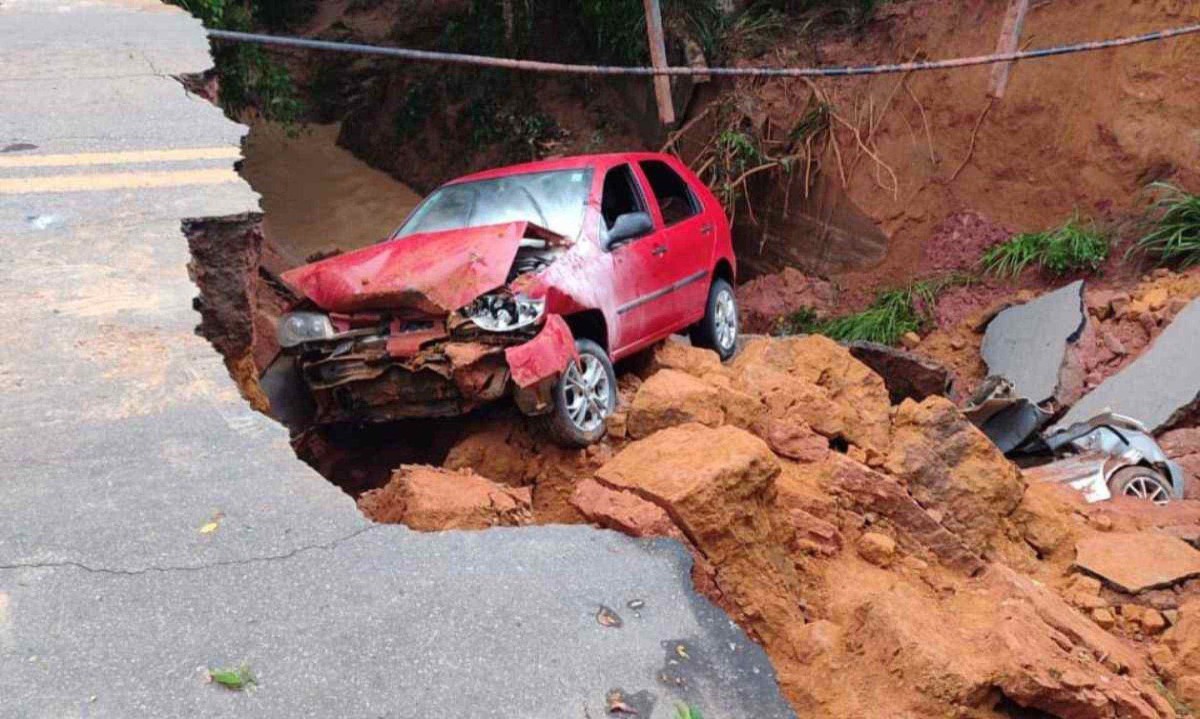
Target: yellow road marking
<point>115,181</point>
<point>118,158</point>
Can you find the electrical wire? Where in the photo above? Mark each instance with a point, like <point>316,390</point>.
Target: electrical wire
<point>564,68</point>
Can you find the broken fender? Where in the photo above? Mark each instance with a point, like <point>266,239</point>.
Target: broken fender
<point>543,357</point>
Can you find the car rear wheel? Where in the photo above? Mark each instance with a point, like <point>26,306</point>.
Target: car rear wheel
<point>584,396</point>
<point>718,330</point>
<point>1140,483</point>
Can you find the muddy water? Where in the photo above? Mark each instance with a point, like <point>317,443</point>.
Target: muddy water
<point>316,195</point>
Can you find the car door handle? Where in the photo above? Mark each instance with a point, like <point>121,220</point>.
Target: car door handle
<point>659,251</point>
<point>706,229</point>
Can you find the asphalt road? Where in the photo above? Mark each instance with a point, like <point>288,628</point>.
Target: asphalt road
<point>122,438</point>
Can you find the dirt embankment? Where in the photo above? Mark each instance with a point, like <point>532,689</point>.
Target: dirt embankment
<point>889,559</point>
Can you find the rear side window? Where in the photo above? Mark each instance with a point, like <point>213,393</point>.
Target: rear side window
<point>675,198</point>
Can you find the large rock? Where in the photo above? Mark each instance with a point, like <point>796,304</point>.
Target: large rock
<point>429,499</point>
<point>820,382</point>
<point>869,491</point>
<point>622,510</point>
<point>1181,664</point>
<point>951,468</point>
<point>670,397</point>
<point>900,649</point>
<point>1027,344</point>
<point>1137,561</point>
<point>717,486</point>
<point>1158,387</point>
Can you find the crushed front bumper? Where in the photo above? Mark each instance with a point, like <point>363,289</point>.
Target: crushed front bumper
<point>426,373</point>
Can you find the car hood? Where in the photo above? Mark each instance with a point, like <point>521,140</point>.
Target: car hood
<point>434,272</point>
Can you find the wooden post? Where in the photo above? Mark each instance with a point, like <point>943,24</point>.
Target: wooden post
<point>658,58</point>
<point>1010,41</point>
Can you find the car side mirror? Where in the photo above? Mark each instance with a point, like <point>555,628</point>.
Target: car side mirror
<point>629,226</point>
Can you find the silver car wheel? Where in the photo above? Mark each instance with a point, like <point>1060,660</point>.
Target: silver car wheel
<point>587,393</point>
<point>725,321</point>
<point>1148,489</point>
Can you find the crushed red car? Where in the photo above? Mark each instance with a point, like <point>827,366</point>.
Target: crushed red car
<point>527,281</point>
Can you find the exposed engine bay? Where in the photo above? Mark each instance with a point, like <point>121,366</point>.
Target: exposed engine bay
<point>397,353</point>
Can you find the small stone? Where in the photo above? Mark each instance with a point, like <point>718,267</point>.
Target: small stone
<point>1161,657</point>
<point>910,340</point>
<point>1120,303</point>
<point>1103,522</point>
<point>618,427</point>
<point>1171,615</point>
<point>957,343</point>
<point>878,549</point>
<point>1103,618</point>
<point>1149,620</point>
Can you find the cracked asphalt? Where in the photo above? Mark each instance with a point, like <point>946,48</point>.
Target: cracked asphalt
<point>152,525</point>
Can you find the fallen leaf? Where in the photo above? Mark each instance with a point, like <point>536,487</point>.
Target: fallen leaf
<point>608,618</point>
<point>236,679</point>
<point>682,651</point>
<point>616,703</point>
<point>213,524</point>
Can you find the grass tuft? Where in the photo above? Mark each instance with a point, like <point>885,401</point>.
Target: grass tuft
<point>1073,247</point>
<point>893,314</point>
<point>1175,236</point>
<point>686,711</point>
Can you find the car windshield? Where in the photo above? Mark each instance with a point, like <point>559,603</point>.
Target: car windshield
<point>554,200</point>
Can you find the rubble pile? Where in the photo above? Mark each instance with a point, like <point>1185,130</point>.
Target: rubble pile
<point>888,545</point>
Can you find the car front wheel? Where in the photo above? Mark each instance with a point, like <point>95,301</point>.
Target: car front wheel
<point>718,330</point>
<point>584,397</point>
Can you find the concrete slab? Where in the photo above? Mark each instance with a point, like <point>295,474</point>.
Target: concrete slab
<point>1027,344</point>
<point>154,525</point>
<point>1156,387</point>
<point>1137,561</point>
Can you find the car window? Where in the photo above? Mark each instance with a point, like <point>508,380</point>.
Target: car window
<point>675,199</point>
<point>555,200</point>
<point>620,196</point>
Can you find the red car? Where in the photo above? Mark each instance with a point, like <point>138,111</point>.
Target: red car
<point>525,281</point>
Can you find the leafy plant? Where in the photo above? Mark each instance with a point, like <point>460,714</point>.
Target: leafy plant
<point>1175,237</point>
<point>1070,248</point>
<point>249,76</point>
<point>235,678</point>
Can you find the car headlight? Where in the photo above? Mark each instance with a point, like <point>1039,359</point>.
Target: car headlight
<point>297,328</point>
<point>504,312</point>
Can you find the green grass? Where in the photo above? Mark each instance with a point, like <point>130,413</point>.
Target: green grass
<point>249,76</point>
<point>893,314</point>
<point>686,711</point>
<point>235,678</point>
<point>1072,247</point>
<point>1175,236</point>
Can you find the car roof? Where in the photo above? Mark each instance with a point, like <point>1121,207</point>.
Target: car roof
<point>574,162</point>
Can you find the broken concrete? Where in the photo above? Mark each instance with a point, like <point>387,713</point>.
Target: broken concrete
<point>1027,344</point>
<point>1158,387</point>
<point>1137,561</point>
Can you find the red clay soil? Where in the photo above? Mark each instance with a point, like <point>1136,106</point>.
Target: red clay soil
<point>915,565</point>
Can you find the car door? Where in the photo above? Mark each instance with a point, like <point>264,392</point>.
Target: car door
<point>636,266</point>
<point>685,254</point>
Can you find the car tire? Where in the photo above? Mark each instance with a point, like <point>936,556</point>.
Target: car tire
<point>590,381</point>
<point>1141,483</point>
<point>718,331</point>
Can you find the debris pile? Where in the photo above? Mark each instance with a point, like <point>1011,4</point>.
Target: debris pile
<point>882,544</point>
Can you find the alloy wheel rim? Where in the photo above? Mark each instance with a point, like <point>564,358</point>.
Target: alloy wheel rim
<point>725,320</point>
<point>1146,488</point>
<point>586,391</point>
